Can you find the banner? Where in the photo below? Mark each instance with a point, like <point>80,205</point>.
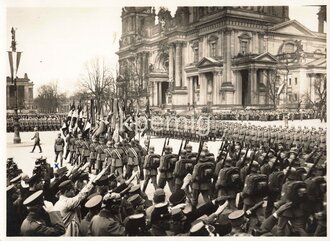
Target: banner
<point>10,55</point>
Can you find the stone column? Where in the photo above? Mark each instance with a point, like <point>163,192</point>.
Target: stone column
<point>254,43</point>
<point>253,86</point>
<point>239,88</point>
<point>159,93</point>
<point>220,43</point>
<point>155,94</point>
<point>178,55</point>
<point>261,43</point>
<point>26,95</point>
<point>144,69</point>
<point>203,89</point>
<point>227,55</point>
<point>216,87</point>
<point>170,62</point>
<point>184,53</point>
<point>188,81</point>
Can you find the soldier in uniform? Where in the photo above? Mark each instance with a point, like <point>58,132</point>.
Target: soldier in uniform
<point>108,222</point>
<point>67,147</point>
<point>117,157</point>
<point>92,154</point>
<point>100,155</point>
<point>41,221</point>
<point>94,206</point>
<point>182,167</point>
<point>85,150</point>
<point>36,140</point>
<point>78,149</point>
<point>238,223</point>
<point>133,159</point>
<point>151,163</point>
<point>201,179</point>
<point>72,150</point>
<point>166,168</point>
<point>58,148</point>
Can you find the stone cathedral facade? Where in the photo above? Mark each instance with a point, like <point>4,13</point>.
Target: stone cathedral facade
<point>221,57</point>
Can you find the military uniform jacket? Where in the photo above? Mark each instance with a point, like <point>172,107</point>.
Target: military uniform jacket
<point>133,154</point>
<point>85,148</point>
<point>92,149</point>
<point>84,225</point>
<point>78,146</point>
<point>100,152</point>
<point>72,144</point>
<point>35,225</point>
<point>149,169</point>
<point>59,144</point>
<point>117,156</point>
<point>105,224</point>
<point>202,184</point>
<point>36,137</point>
<point>164,170</point>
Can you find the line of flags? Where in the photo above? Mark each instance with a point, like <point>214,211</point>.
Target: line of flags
<point>79,120</point>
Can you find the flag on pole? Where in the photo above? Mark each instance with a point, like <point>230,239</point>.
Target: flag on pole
<point>18,59</point>
<point>11,64</point>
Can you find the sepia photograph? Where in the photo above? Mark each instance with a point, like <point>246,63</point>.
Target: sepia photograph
<point>165,120</point>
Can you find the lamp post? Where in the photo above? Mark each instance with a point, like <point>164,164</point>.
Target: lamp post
<point>14,59</point>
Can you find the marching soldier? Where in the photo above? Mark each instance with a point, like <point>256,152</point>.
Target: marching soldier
<point>182,167</point>
<point>58,148</point>
<point>201,179</point>
<point>151,163</point>
<point>68,143</point>
<point>117,162</point>
<point>78,149</point>
<point>100,156</point>
<point>72,150</point>
<point>133,159</point>
<point>166,168</point>
<point>108,157</point>
<point>85,150</point>
<point>36,140</point>
<point>92,154</point>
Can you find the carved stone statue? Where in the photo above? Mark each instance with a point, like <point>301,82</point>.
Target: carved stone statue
<point>300,53</point>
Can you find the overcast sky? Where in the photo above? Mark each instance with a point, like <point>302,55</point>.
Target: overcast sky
<point>57,42</point>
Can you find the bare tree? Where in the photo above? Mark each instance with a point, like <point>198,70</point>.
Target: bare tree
<point>134,84</point>
<point>48,99</point>
<point>273,83</point>
<point>99,81</point>
<point>320,94</point>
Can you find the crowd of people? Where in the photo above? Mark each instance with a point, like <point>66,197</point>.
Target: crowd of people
<point>263,115</point>
<point>44,122</point>
<point>269,181</point>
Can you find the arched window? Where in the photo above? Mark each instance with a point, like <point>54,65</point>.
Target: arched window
<point>244,41</point>
<point>195,48</point>
<point>213,45</point>
<point>289,48</point>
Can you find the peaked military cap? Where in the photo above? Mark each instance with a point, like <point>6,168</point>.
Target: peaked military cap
<point>16,179</point>
<point>136,200</point>
<point>177,197</point>
<point>95,201</point>
<point>34,199</point>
